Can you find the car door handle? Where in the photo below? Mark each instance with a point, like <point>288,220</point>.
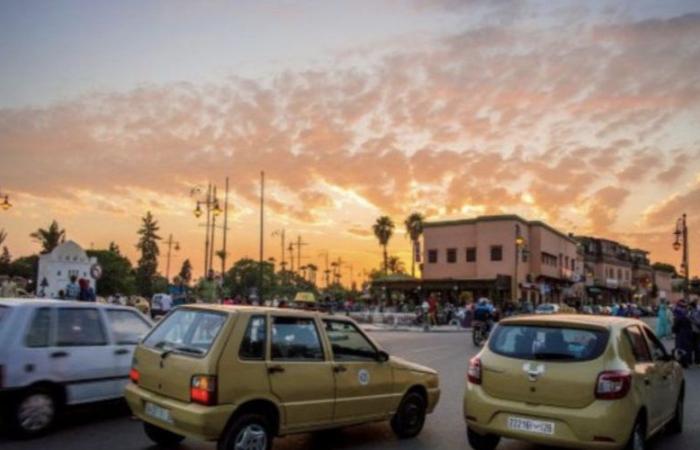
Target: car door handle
<point>275,369</point>
<point>121,351</point>
<point>60,354</point>
<point>339,369</point>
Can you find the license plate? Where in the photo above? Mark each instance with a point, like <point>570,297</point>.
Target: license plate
<point>158,412</point>
<point>530,426</point>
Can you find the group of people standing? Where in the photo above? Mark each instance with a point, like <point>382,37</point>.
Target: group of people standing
<point>683,321</point>
<point>78,289</point>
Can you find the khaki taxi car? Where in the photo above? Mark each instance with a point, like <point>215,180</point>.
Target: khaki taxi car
<point>243,375</point>
<point>574,382</point>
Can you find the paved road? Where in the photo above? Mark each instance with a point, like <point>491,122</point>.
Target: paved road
<point>110,427</point>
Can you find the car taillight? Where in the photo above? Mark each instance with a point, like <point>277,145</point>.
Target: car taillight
<point>474,370</point>
<point>134,375</point>
<point>613,385</point>
<point>203,390</point>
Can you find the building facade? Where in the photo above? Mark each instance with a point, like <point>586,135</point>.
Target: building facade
<point>56,269</point>
<point>503,257</point>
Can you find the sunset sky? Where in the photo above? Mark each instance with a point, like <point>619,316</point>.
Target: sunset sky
<point>583,114</point>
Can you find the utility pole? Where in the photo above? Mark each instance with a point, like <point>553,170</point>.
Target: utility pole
<point>352,273</point>
<point>206,241</point>
<point>291,257</point>
<point>682,240</point>
<point>326,271</point>
<point>213,231</point>
<point>170,244</point>
<point>224,251</point>
<point>299,244</point>
<point>262,236</point>
<point>281,233</point>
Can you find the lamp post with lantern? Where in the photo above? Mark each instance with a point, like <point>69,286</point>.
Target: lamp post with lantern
<point>519,244</point>
<point>681,242</point>
<point>209,204</point>
<point>171,245</point>
<point>5,204</point>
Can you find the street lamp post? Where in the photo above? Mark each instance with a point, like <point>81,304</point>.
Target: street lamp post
<point>212,209</point>
<point>519,242</point>
<point>170,243</point>
<point>5,204</point>
<point>681,241</point>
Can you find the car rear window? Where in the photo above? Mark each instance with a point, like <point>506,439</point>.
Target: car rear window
<point>187,331</point>
<point>548,343</point>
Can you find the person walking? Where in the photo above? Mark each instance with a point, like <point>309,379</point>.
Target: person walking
<point>663,321</point>
<point>72,291</point>
<point>694,313</point>
<point>683,329</point>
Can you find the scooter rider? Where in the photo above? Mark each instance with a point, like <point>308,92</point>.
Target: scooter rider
<point>484,312</point>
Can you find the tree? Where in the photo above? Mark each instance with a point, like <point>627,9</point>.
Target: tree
<point>185,274</point>
<point>242,278</point>
<point>5,260</point>
<point>3,236</point>
<point>414,230</point>
<point>148,262</point>
<point>49,238</point>
<point>25,267</point>
<point>117,273</point>
<point>396,265</point>
<point>383,229</point>
<point>663,267</point>
<point>114,248</point>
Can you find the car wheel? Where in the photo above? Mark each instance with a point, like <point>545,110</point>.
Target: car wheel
<point>34,413</point>
<point>482,441</point>
<point>676,424</point>
<point>247,432</point>
<point>638,439</point>
<point>410,417</point>
<point>162,437</point>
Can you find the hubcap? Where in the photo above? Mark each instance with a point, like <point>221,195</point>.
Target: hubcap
<point>35,412</point>
<point>252,437</point>
<point>412,415</point>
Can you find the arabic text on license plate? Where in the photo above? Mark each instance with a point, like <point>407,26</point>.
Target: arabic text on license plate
<point>531,426</point>
<point>158,412</point>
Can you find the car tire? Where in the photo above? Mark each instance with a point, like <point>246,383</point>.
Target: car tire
<point>33,413</point>
<point>409,418</point>
<point>482,441</point>
<point>253,428</point>
<point>675,426</point>
<point>638,438</point>
<point>160,436</point>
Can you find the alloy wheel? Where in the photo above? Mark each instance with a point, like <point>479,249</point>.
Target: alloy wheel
<point>252,437</point>
<point>35,412</point>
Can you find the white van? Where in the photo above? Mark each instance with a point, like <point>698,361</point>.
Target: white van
<point>55,353</point>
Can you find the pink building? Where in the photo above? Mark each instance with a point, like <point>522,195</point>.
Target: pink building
<point>503,257</point>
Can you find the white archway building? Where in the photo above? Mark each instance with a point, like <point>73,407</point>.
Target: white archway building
<point>56,268</point>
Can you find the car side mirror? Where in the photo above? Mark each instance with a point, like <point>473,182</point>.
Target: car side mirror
<point>382,356</point>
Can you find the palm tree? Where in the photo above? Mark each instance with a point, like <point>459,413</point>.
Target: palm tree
<point>49,238</point>
<point>383,229</point>
<point>313,268</point>
<point>3,236</point>
<point>396,265</point>
<point>414,230</point>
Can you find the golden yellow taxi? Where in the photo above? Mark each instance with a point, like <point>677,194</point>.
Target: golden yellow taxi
<point>243,375</point>
<point>573,381</point>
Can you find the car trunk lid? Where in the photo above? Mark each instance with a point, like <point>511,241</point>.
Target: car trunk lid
<point>553,364</point>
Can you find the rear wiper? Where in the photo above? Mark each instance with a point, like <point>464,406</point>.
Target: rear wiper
<point>177,348</point>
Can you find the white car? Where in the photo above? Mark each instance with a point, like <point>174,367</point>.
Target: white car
<point>55,353</point>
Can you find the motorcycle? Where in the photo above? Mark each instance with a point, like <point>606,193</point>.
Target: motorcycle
<point>480,332</point>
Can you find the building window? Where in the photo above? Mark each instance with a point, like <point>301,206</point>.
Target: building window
<point>471,254</point>
<point>549,260</point>
<point>432,256</point>
<point>452,255</point>
<point>496,253</point>
<point>573,264</point>
<point>619,274</point>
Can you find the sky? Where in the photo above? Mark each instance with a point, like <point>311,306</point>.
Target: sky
<point>581,114</point>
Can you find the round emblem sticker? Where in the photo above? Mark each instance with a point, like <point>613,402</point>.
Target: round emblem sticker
<point>363,377</point>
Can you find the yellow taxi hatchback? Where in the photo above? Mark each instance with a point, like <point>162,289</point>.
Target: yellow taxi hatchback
<point>573,382</point>
<point>241,376</point>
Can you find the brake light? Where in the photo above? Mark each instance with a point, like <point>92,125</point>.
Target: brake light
<point>203,390</point>
<point>613,385</point>
<point>474,370</point>
<point>134,375</point>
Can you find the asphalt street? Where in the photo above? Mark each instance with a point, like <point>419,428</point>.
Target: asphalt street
<point>109,426</point>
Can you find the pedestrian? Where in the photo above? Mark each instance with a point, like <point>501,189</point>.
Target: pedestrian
<point>72,291</point>
<point>432,310</point>
<point>694,313</point>
<point>683,329</point>
<point>663,321</point>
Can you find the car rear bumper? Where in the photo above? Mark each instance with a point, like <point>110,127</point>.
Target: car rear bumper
<point>600,425</point>
<point>188,419</point>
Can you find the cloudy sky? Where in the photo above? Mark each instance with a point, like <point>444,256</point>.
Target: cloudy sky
<point>582,114</point>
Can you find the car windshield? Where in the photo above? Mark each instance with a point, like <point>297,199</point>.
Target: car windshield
<point>545,308</point>
<point>187,331</point>
<point>548,343</point>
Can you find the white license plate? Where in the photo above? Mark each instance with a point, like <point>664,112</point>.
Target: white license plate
<point>158,412</point>
<point>530,426</point>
